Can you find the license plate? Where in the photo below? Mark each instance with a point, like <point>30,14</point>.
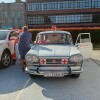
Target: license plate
<point>59,74</point>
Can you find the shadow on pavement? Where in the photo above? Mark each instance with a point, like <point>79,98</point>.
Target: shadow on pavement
<point>12,79</point>
<point>57,88</point>
<point>67,88</point>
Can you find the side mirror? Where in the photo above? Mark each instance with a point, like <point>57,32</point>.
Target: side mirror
<point>76,45</point>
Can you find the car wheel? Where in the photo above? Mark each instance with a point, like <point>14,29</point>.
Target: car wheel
<point>32,76</point>
<point>5,59</point>
<point>75,75</point>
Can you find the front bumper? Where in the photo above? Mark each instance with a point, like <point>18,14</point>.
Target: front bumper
<point>62,69</point>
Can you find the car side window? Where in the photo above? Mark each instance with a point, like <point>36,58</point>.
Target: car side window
<point>68,39</point>
<point>78,40</point>
<point>84,38</point>
<point>9,36</point>
<point>13,34</point>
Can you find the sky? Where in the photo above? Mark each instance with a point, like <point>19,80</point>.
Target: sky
<point>8,1</point>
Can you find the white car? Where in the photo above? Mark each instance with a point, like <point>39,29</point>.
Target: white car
<point>6,48</point>
<point>55,55</point>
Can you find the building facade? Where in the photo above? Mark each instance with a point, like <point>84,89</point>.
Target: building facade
<point>63,13</point>
<point>12,15</point>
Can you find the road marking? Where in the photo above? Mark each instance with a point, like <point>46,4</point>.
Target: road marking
<point>20,93</point>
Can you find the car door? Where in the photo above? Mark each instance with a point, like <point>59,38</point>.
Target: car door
<point>11,43</point>
<point>84,44</point>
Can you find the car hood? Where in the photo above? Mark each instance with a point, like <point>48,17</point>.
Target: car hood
<point>51,50</point>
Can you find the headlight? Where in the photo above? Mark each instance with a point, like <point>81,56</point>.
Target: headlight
<point>35,58</point>
<point>32,58</point>
<point>76,58</point>
<point>28,58</point>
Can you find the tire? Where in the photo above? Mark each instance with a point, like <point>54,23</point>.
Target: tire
<point>5,59</point>
<point>32,76</point>
<point>75,75</point>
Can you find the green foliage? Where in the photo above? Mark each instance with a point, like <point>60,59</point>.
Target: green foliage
<point>34,33</point>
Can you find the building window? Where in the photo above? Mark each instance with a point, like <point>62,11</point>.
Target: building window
<point>18,14</point>
<point>70,4</point>
<point>5,14</point>
<point>35,20</point>
<point>34,6</point>
<point>54,5</point>
<point>95,3</point>
<point>87,4</point>
<point>44,6</point>
<point>77,18</point>
<point>19,22</point>
<point>78,5</point>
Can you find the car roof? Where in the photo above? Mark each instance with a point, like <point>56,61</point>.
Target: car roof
<point>51,32</point>
<point>3,30</point>
<point>7,30</point>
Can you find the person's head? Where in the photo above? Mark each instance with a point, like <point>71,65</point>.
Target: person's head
<point>15,34</point>
<point>41,37</point>
<point>25,28</point>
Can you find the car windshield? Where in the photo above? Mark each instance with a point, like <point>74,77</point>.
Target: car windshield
<point>3,35</point>
<point>55,38</point>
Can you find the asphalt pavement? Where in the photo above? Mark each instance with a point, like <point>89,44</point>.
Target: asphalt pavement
<point>17,85</point>
<point>96,56</point>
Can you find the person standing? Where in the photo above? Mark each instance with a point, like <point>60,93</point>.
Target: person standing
<point>14,39</point>
<point>24,45</point>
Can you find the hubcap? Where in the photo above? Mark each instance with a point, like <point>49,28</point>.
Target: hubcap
<point>6,59</point>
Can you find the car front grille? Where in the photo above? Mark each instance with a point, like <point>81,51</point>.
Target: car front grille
<point>53,61</point>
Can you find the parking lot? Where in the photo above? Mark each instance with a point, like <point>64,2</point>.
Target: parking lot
<point>17,85</point>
